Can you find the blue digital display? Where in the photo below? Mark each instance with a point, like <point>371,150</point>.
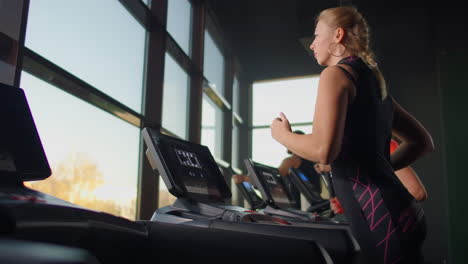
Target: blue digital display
<point>247,185</point>
<point>303,177</point>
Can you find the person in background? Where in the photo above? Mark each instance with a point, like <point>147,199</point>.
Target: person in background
<point>294,161</point>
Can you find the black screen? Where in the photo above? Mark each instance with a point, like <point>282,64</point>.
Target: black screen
<point>307,181</point>
<point>188,169</point>
<point>272,184</point>
<point>21,150</point>
<point>307,184</point>
<point>275,185</point>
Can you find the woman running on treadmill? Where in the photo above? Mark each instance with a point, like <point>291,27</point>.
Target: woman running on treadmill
<point>355,117</point>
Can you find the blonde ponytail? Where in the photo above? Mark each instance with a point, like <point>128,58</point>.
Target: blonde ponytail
<point>368,57</point>
<point>357,37</point>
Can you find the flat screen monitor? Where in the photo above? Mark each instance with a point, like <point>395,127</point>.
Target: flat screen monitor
<point>21,150</point>
<point>270,184</point>
<point>188,169</point>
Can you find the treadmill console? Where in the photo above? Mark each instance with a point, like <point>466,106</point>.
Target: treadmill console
<point>270,183</point>
<point>188,169</point>
<point>251,195</point>
<point>306,184</point>
<point>21,151</point>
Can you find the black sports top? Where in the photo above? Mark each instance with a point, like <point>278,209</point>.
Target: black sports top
<point>386,220</point>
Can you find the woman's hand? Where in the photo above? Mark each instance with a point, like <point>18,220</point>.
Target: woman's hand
<point>279,127</point>
<point>322,168</point>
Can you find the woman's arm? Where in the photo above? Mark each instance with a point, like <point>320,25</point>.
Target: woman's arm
<point>416,140</point>
<point>324,144</point>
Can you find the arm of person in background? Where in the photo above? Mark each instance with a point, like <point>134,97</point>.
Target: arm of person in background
<point>239,178</point>
<point>286,164</point>
<point>411,181</point>
<point>416,140</point>
<point>409,178</point>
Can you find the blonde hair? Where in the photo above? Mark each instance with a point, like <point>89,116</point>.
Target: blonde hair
<point>357,36</point>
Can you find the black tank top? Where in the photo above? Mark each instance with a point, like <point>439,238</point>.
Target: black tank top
<point>369,117</point>
<point>374,200</point>
<point>368,128</point>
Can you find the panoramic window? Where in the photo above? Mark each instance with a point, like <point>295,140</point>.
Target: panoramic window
<point>100,42</point>
<point>213,65</point>
<point>211,127</point>
<point>93,155</point>
<point>179,22</point>
<point>212,115</point>
<point>175,98</point>
<point>268,100</point>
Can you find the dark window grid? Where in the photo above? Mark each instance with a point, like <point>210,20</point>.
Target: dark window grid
<point>292,125</point>
<point>51,73</point>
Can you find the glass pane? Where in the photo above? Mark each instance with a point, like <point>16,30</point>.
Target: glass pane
<point>211,127</point>
<point>306,129</point>
<point>235,148</point>
<point>213,65</point>
<point>269,99</point>
<point>179,17</point>
<point>267,150</point>
<point>235,95</point>
<point>175,98</point>
<point>208,125</point>
<point>98,41</point>
<point>93,155</point>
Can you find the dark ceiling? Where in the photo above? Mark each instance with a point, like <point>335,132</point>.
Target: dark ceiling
<point>265,35</point>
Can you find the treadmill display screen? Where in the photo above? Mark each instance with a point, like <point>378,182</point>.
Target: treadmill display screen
<point>272,184</point>
<point>307,181</point>
<point>247,185</point>
<point>254,193</point>
<point>303,177</point>
<point>187,158</point>
<point>188,169</point>
<point>309,184</point>
<point>276,186</point>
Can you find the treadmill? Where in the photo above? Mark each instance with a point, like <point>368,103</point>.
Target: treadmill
<point>191,174</point>
<point>274,192</point>
<point>304,181</point>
